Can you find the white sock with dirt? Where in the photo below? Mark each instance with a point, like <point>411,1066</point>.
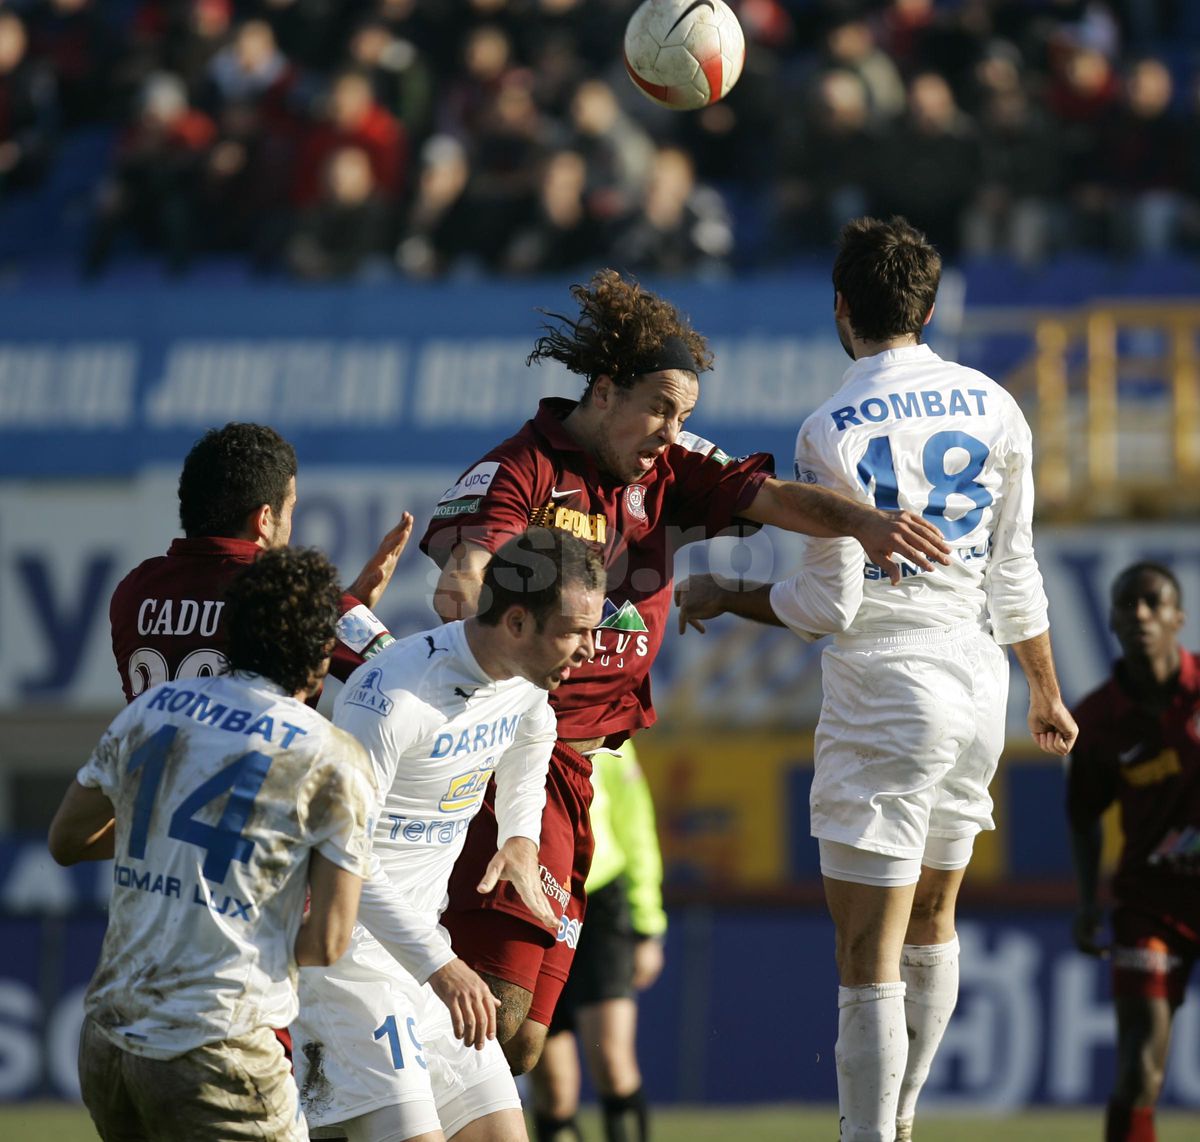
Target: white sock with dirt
<point>930,972</point>
<point>872,1046</point>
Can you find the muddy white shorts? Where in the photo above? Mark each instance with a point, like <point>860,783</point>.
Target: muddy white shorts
<point>911,730</point>
<point>369,1036</point>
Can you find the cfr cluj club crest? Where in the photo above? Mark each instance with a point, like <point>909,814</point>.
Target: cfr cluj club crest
<point>635,501</point>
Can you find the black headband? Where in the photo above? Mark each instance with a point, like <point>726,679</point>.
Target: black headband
<point>673,353</point>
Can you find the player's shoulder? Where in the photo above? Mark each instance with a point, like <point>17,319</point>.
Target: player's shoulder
<point>400,678</point>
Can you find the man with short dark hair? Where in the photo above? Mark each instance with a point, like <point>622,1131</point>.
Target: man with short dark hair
<point>617,469</point>
<point>221,797</point>
<point>1139,746</point>
<point>444,715</point>
<point>237,492</point>
<point>916,680</point>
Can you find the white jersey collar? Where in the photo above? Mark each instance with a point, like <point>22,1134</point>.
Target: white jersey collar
<point>258,682</point>
<point>456,634</point>
<point>901,355</point>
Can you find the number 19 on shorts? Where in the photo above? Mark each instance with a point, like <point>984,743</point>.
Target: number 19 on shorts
<point>389,1030</point>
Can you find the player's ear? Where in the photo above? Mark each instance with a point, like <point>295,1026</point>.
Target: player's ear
<point>602,391</point>
<point>260,525</point>
<point>929,315</point>
<point>840,308</point>
<point>516,621</point>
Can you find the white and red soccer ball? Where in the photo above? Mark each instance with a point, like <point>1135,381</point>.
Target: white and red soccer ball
<point>684,54</point>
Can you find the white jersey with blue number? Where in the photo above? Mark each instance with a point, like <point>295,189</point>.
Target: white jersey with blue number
<point>437,728</point>
<point>221,787</point>
<point>909,430</point>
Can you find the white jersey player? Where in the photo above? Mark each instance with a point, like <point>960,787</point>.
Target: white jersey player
<point>441,713</point>
<point>230,797</point>
<point>915,683</point>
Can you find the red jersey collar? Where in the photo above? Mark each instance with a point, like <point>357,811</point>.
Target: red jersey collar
<point>218,546</point>
<point>551,413</point>
<point>1187,682</point>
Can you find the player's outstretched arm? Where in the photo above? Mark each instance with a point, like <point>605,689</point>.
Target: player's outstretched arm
<point>456,595</point>
<point>1050,721</point>
<point>470,1001</point>
<point>333,907</point>
<point>701,597</point>
<point>517,861</point>
<point>377,572</point>
<point>84,827</point>
<point>821,512</point>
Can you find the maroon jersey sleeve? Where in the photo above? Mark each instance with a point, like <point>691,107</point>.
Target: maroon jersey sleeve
<point>490,502</point>
<point>711,488</point>
<point>1091,768</point>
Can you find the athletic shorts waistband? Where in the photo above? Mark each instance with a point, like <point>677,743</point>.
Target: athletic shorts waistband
<point>572,759</point>
<point>923,636</point>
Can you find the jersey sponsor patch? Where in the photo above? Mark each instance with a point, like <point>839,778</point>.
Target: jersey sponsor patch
<point>625,617</point>
<point>359,628</point>
<point>369,694</point>
<point>459,507</point>
<point>694,443</point>
<point>466,790</point>
<point>474,483</point>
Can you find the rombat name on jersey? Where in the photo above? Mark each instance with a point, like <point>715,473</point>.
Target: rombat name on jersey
<point>903,406</point>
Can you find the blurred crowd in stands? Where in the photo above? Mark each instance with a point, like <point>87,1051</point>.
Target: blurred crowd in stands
<point>337,138</point>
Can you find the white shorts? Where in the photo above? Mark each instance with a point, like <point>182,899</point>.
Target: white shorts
<point>369,1036</point>
<point>911,731</point>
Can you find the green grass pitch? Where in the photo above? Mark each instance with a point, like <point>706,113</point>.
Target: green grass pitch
<point>55,1123</point>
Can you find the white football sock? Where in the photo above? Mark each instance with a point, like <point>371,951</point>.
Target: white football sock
<point>871,1048</point>
<point>931,974</point>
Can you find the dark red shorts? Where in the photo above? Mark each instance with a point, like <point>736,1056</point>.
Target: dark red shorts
<point>1152,955</point>
<point>496,933</point>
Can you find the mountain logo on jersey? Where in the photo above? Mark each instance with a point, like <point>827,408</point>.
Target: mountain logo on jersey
<point>624,618</point>
<point>370,696</point>
<point>465,791</point>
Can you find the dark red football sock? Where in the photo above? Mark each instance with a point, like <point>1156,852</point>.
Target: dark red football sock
<point>1129,1123</point>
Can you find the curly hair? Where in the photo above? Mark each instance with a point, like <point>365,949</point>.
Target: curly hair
<point>231,472</point>
<point>281,614</point>
<point>620,330</point>
<point>888,274</point>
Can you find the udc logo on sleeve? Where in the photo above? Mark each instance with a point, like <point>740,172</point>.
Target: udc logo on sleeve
<point>474,483</point>
<point>635,501</point>
<point>568,931</point>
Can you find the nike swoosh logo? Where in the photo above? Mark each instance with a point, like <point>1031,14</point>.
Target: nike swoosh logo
<point>689,10</point>
<point>555,494</point>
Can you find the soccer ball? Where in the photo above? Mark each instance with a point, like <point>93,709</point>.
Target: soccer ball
<point>684,54</point>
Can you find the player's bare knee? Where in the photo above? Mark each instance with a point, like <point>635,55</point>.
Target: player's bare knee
<point>524,1048</point>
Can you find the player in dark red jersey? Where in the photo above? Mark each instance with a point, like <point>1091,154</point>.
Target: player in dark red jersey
<point>236,496</point>
<point>1139,745</point>
<point>617,469</point>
